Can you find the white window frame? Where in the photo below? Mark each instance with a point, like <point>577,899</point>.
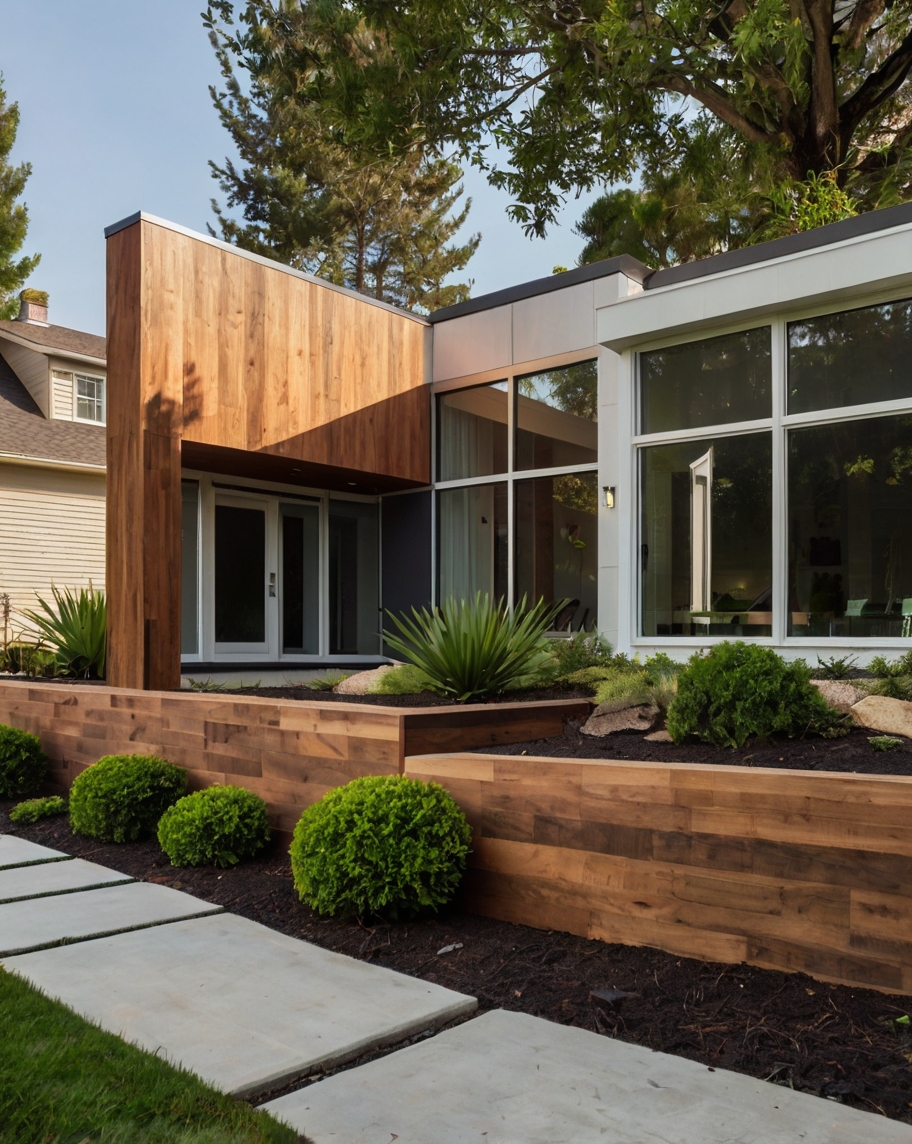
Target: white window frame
<point>102,401</point>
<point>778,424</point>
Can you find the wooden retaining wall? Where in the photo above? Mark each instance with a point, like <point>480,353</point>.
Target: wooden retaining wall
<point>289,752</point>
<point>785,869</point>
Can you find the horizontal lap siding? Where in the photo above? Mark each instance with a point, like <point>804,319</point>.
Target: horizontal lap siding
<point>782,869</point>
<point>52,531</point>
<point>288,753</point>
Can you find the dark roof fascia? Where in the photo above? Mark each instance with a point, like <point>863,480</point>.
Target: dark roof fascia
<point>211,240</point>
<point>829,235</point>
<point>623,264</point>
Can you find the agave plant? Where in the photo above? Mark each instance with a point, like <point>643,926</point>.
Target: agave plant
<point>477,648</point>
<point>75,630</point>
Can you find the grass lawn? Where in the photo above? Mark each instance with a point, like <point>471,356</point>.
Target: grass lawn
<point>64,1081</point>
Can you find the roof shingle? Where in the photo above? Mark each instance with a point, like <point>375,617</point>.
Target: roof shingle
<point>57,338</point>
<point>26,432</point>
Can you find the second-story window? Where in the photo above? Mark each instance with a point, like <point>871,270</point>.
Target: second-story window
<point>90,398</point>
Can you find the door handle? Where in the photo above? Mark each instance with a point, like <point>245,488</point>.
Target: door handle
<point>272,584</point>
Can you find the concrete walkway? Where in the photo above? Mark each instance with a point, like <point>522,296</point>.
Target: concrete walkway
<point>249,1009</point>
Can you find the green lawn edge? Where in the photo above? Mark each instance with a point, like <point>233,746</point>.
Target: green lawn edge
<point>63,1080</point>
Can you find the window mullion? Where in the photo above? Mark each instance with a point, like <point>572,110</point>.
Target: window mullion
<point>779,478</point>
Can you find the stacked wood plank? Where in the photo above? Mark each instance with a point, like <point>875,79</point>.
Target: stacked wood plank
<point>290,753</point>
<point>785,869</point>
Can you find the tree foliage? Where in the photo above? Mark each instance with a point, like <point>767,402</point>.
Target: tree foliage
<point>381,225</point>
<point>588,92</point>
<point>13,214</point>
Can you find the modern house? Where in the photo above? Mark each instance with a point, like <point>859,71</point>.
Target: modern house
<point>52,461</point>
<point>719,450</point>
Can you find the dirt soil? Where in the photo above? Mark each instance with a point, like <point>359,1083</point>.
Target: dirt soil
<point>853,753</point>
<point>304,693</point>
<point>835,1042</point>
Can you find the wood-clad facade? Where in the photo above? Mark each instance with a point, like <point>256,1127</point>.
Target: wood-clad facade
<point>222,361</point>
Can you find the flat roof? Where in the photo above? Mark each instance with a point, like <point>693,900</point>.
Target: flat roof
<point>623,264</point>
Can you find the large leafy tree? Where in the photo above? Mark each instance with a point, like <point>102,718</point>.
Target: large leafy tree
<point>582,92</point>
<point>382,225</point>
<point>13,214</point>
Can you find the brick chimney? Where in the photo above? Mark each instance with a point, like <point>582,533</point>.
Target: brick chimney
<point>33,307</point>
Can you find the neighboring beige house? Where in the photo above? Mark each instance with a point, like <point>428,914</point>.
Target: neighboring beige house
<point>52,460</point>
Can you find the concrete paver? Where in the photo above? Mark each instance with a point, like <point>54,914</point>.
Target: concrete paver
<point>35,922</point>
<point>54,878</point>
<point>16,851</point>
<point>243,1006</point>
<point>508,1078</point>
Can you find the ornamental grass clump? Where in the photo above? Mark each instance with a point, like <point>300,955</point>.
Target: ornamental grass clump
<point>383,845</point>
<point>121,797</point>
<point>218,826</point>
<point>478,648</point>
<point>23,764</point>
<point>76,630</point>
<point>34,809</point>
<point>742,691</point>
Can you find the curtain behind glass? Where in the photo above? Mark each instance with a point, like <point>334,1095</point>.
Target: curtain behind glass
<point>472,529</point>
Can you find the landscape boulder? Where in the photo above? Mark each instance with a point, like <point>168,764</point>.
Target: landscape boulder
<point>839,693</point>
<point>362,682</point>
<point>889,716</point>
<point>642,717</point>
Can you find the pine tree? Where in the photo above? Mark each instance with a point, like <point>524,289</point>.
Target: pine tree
<point>380,226</point>
<point>13,215</point>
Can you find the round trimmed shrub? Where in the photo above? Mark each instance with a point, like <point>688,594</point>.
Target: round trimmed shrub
<point>385,845</point>
<point>23,764</point>
<point>121,797</point>
<point>742,691</point>
<point>218,826</point>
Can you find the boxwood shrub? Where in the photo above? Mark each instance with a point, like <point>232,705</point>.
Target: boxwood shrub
<point>385,845</point>
<point>23,764</point>
<point>218,826</point>
<point>34,809</point>
<point>121,797</point>
<point>742,691</point>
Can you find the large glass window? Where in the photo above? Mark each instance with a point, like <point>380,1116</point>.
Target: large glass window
<point>709,382</point>
<point>556,414</point>
<point>472,432</point>
<point>557,545</point>
<point>851,358</point>
<point>473,536</point>
<point>354,578</point>
<point>706,537</point>
<point>240,574</point>
<point>300,588</point>
<point>850,536</point>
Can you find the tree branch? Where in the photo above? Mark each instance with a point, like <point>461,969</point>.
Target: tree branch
<point>866,12</point>
<point>877,88</point>
<point>714,99</point>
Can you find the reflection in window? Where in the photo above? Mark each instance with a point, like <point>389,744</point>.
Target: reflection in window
<point>850,358</point>
<point>472,432</point>
<point>556,414</point>
<point>710,382</point>
<point>354,578</point>
<point>706,542</point>
<point>300,588</point>
<point>189,568</point>
<point>472,531</point>
<point>557,545</point>
<point>850,528</point>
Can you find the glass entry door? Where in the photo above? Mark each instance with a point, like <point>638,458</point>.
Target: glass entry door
<point>240,576</point>
<point>299,529</point>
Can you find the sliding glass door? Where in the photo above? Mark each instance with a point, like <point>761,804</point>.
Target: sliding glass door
<point>240,580</point>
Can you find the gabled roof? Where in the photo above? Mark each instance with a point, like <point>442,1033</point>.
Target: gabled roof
<point>59,339</point>
<point>25,433</point>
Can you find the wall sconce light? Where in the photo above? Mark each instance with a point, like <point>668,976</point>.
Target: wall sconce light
<point>608,490</point>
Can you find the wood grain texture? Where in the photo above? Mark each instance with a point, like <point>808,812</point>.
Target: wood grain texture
<point>223,357</point>
<point>789,870</point>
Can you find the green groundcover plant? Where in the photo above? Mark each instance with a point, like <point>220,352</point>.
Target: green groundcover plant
<point>471,649</point>
<point>65,1081</point>
<point>76,630</point>
<point>218,826</point>
<point>34,809</point>
<point>741,691</point>
<point>23,764</point>
<point>384,844</point>
<point>121,797</point>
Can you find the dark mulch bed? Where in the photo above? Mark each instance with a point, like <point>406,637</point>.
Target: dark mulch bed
<point>828,1040</point>
<point>853,753</point>
<point>300,691</point>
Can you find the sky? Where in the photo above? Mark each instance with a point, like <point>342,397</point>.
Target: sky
<point>116,117</point>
